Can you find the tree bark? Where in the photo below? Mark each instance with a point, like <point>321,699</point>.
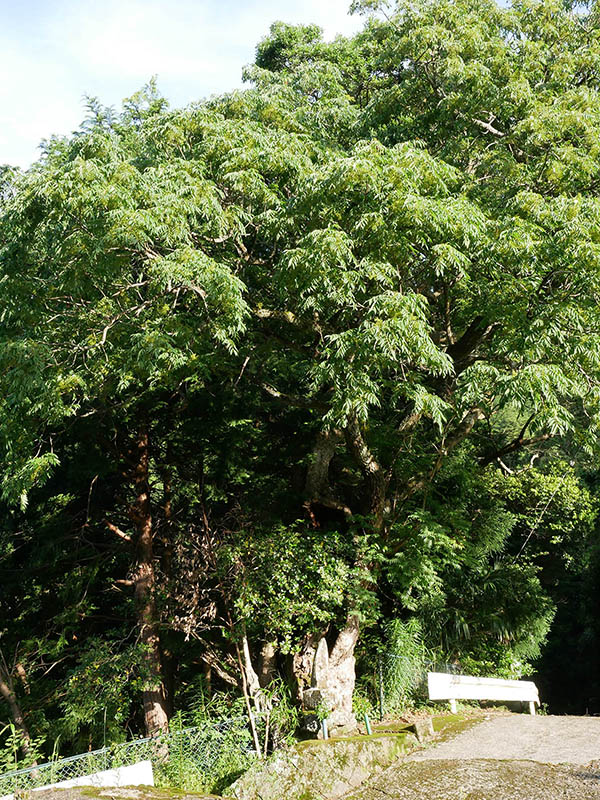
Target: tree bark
<point>317,490</point>
<point>252,680</point>
<point>267,663</point>
<point>341,675</point>
<point>154,696</point>
<point>464,351</point>
<point>374,475</point>
<point>207,675</point>
<point>302,664</point>
<point>7,691</point>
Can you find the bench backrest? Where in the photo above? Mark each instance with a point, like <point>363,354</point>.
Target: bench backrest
<point>466,687</point>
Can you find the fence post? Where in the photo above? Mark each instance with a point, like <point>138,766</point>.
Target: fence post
<point>380,673</point>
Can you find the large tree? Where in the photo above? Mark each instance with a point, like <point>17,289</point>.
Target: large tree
<point>382,253</point>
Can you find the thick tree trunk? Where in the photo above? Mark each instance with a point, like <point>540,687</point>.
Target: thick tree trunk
<point>267,663</point>
<point>154,696</point>
<point>338,683</point>
<point>302,665</point>
<point>341,675</point>
<point>317,490</point>
<point>375,478</point>
<point>252,680</point>
<point>7,691</point>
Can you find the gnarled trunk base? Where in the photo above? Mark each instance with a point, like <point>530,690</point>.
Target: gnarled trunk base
<point>341,675</point>
<point>334,677</point>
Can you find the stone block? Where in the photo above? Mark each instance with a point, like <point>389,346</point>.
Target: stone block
<point>320,666</point>
<point>423,728</point>
<point>313,698</point>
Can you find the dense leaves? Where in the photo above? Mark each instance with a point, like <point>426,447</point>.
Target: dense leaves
<point>308,354</point>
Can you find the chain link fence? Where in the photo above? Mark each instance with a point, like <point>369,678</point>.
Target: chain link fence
<point>402,680</point>
<point>200,758</point>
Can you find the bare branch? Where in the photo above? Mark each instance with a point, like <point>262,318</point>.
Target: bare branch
<point>517,444</point>
<point>118,532</point>
<point>488,127</point>
<point>294,400</point>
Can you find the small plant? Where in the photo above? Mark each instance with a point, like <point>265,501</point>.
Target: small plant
<point>10,758</point>
<point>282,717</point>
<point>361,704</point>
<point>322,710</point>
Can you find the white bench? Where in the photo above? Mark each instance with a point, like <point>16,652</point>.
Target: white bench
<point>466,687</point>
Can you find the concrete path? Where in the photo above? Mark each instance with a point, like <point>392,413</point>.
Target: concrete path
<point>503,757</point>
<point>551,740</point>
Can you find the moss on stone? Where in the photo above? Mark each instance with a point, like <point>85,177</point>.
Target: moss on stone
<point>318,768</point>
<point>481,779</point>
<point>118,793</point>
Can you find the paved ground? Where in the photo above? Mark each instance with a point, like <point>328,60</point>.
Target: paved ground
<point>478,779</point>
<point>504,757</point>
<point>551,740</point>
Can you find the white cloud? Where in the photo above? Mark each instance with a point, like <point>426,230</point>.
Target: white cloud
<point>111,48</point>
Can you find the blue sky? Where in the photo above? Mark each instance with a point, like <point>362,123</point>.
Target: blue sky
<point>52,52</point>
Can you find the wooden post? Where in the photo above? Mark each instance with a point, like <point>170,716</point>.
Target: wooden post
<point>247,701</point>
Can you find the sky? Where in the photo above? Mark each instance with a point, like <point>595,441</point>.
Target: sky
<point>54,52</point>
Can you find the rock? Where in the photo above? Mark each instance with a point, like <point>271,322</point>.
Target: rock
<point>310,725</point>
<point>320,666</point>
<point>343,730</point>
<point>119,793</point>
<point>423,728</point>
<point>313,698</point>
<point>315,770</point>
<point>480,779</point>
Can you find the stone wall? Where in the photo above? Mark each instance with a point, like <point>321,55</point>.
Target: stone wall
<point>314,770</point>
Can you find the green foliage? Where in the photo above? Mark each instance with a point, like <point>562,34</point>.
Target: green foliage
<point>282,714</point>
<point>405,664</point>
<point>99,691</point>
<point>200,706</point>
<point>272,52</point>
<point>11,754</point>
<point>390,240</point>
<point>289,579</point>
<point>362,704</point>
<point>206,759</point>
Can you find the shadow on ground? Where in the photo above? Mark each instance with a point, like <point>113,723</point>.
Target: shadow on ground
<point>482,779</point>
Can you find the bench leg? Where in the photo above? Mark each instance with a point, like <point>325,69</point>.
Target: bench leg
<point>532,708</point>
<point>453,706</point>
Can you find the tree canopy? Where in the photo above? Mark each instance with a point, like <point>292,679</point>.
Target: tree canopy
<point>301,359</point>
